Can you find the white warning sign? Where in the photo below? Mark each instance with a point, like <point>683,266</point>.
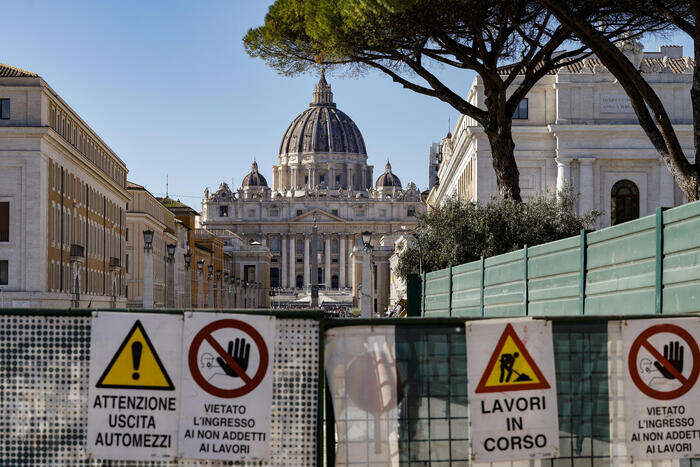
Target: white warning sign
<point>512,390</point>
<point>133,395</point>
<point>226,386</point>
<point>662,406</point>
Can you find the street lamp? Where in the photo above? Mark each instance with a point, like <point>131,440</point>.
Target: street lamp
<point>188,280</point>
<point>147,239</point>
<point>210,270</point>
<point>210,295</point>
<point>148,269</point>
<point>366,297</point>
<point>170,279</point>
<point>227,295</point>
<point>200,283</point>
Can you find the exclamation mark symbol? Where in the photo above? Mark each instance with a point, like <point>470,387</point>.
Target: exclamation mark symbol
<point>136,348</point>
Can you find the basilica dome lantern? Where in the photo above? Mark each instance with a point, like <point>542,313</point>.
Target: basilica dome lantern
<point>322,148</point>
<point>254,184</point>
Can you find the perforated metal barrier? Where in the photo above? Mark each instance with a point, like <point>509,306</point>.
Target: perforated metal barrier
<point>44,366</point>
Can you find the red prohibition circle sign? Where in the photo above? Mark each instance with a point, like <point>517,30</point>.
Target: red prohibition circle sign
<point>643,341</point>
<point>205,334</point>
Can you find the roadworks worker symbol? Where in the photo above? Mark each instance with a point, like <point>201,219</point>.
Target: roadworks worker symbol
<point>511,368</point>
<point>136,365</point>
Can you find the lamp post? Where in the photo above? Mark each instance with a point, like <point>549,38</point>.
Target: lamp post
<point>218,289</point>
<point>188,282</point>
<point>210,293</point>
<point>170,283</point>
<point>366,297</point>
<point>227,295</point>
<point>148,269</point>
<point>200,283</point>
<point>313,302</point>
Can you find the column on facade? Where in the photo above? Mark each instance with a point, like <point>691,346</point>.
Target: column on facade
<point>312,178</point>
<point>585,184</point>
<point>666,187</point>
<point>309,183</point>
<point>563,173</point>
<point>350,184</point>
<point>283,261</point>
<point>341,261</point>
<point>275,179</point>
<point>331,177</point>
<point>328,262</point>
<point>382,285</point>
<point>307,252</point>
<point>294,181</point>
<point>364,179</point>
<point>292,262</point>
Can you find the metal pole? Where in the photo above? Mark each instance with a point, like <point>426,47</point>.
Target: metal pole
<point>148,278</point>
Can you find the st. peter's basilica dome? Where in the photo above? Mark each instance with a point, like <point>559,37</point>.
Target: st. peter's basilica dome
<point>254,178</point>
<point>322,128</point>
<point>388,179</point>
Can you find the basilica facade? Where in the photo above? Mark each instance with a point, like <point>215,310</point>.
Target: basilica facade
<point>321,178</point>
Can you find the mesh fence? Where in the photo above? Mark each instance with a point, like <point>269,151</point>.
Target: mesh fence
<point>44,367</point>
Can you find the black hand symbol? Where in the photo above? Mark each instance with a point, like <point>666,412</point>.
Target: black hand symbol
<point>673,352</point>
<point>239,354</point>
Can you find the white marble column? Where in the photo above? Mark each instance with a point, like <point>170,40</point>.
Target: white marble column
<point>586,184</point>
<point>563,173</point>
<point>292,262</point>
<point>331,177</point>
<point>350,183</point>
<point>666,188</point>
<point>283,261</point>
<point>341,262</point>
<point>328,262</point>
<point>295,182</point>
<point>307,252</point>
<point>312,177</point>
<point>363,180</point>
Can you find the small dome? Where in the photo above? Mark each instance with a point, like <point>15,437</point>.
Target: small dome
<point>322,128</point>
<point>254,178</point>
<point>388,179</point>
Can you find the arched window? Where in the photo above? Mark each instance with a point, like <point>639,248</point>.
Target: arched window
<point>624,202</point>
<point>334,281</point>
<point>300,281</point>
<point>274,277</point>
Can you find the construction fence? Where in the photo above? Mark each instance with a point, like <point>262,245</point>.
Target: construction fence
<point>423,420</point>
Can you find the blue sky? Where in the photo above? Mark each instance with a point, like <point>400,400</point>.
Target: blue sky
<point>170,88</point>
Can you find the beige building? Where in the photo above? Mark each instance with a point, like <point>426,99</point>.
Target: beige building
<point>62,202</point>
<point>145,212</point>
<point>577,127</point>
<point>321,177</point>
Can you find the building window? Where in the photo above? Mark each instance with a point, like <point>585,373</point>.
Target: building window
<point>299,212</point>
<point>321,179</point>
<point>127,235</point>
<point>249,273</point>
<point>360,212</point>
<point>5,109</point>
<point>334,281</point>
<point>4,222</point>
<point>337,179</point>
<point>306,179</point>
<point>300,281</point>
<point>4,280</point>
<point>624,202</point>
<point>274,212</point>
<point>126,266</point>
<point>300,246</point>
<point>275,244</point>
<point>334,212</point>
<point>223,211</point>
<point>411,212</point>
<point>521,111</point>
<point>274,277</point>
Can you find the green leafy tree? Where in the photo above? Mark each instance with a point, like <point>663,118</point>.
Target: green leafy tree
<point>460,232</point>
<point>510,44</point>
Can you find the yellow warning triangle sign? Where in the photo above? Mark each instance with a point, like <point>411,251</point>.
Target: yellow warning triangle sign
<point>136,365</point>
<point>511,368</point>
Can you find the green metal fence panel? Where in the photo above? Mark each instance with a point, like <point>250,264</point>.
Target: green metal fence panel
<point>621,269</point>
<point>553,276</point>
<point>649,265</point>
<point>503,285</point>
<point>681,259</point>
<point>466,289</point>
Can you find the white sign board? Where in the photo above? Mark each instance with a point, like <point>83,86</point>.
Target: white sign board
<point>133,396</point>
<point>226,386</point>
<point>512,390</point>
<point>662,405</point>
<point>615,104</point>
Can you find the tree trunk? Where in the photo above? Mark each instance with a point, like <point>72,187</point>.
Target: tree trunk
<point>503,158</point>
<point>658,129</point>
